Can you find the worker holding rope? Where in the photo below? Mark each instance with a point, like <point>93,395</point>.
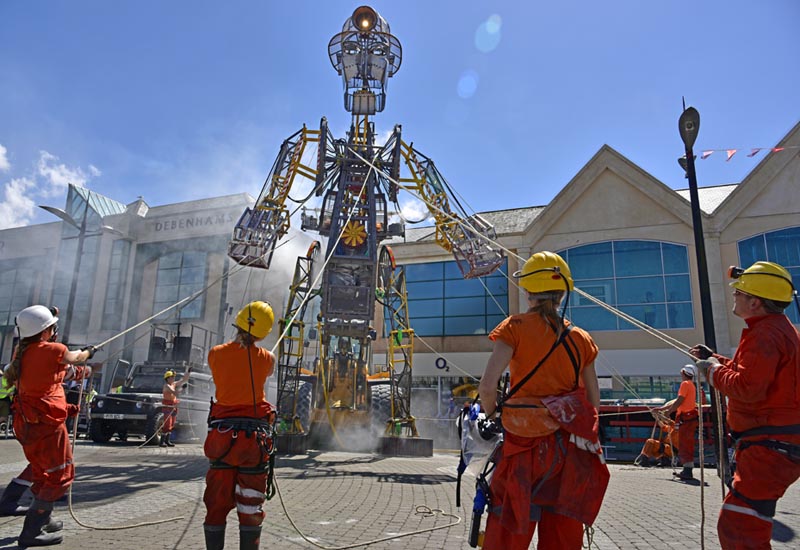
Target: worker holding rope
<point>38,368</point>
<point>544,474</point>
<point>687,419</point>
<point>762,384</point>
<point>240,437</point>
<point>169,402</point>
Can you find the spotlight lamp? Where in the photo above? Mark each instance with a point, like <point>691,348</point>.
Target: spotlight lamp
<point>364,19</point>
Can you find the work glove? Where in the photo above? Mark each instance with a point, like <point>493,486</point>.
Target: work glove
<point>73,410</point>
<point>701,352</point>
<point>91,350</point>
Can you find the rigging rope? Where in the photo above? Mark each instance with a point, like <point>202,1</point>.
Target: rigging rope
<point>670,341</point>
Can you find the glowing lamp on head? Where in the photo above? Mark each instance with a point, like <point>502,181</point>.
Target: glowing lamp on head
<point>364,18</point>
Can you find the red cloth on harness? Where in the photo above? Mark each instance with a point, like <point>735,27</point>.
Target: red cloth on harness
<point>565,478</point>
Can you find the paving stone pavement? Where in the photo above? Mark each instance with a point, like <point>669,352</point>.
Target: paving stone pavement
<point>339,499</point>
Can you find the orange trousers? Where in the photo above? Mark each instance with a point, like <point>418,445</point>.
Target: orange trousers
<point>555,532</point>
<point>687,440</point>
<point>236,477</point>
<point>170,414</point>
<point>761,474</point>
<point>511,476</point>
<point>47,448</point>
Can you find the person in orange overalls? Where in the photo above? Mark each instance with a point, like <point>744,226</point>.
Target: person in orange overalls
<point>687,419</point>
<point>544,475</point>
<point>762,384</point>
<point>239,444</point>
<point>169,402</point>
<point>38,368</point>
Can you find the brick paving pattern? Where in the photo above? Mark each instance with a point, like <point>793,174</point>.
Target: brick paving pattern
<point>339,499</point>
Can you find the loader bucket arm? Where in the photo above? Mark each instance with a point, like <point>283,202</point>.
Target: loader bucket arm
<point>468,238</point>
<point>259,229</point>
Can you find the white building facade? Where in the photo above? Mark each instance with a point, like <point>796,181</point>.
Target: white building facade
<point>627,237</point>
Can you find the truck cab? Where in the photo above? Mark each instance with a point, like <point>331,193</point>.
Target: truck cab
<point>133,407</point>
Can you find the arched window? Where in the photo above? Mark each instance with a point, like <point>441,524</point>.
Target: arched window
<point>442,303</point>
<point>648,280</point>
<point>180,274</point>
<point>781,247</point>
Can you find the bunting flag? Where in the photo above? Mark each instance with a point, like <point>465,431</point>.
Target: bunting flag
<point>753,151</point>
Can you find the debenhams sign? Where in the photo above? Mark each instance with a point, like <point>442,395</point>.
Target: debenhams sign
<point>191,222</point>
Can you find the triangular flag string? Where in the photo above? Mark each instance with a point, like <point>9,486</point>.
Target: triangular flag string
<point>729,153</point>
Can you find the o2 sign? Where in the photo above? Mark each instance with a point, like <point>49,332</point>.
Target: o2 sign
<point>441,364</point>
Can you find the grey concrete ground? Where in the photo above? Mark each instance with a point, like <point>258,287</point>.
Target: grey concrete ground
<point>340,499</point>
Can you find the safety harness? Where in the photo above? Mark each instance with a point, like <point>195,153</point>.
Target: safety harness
<point>264,432</point>
<point>482,495</point>
<point>788,450</point>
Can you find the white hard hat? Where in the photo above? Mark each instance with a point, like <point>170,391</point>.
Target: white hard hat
<point>33,320</point>
<point>688,370</point>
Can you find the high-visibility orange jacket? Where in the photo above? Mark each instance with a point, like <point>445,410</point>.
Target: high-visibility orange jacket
<point>762,381</point>
<point>39,391</point>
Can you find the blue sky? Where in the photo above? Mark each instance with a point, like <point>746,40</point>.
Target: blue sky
<point>185,99</point>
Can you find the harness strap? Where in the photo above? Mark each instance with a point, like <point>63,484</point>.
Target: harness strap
<point>560,340</point>
<point>791,429</point>
<point>576,362</point>
<point>763,507</point>
<point>789,450</point>
<point>241,423</point>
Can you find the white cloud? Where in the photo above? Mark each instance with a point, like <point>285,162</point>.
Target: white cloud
<point>17,207</point>
<point>47,179</point>
<point>57,176</point>
<point>5,166</point>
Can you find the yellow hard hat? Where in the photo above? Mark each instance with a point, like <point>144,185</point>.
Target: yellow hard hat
<point>256,318</point>
<point>765,280</point>
<point>169,374</point>
<point>545,272</point>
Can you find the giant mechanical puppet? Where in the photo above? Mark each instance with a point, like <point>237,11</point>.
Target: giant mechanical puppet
<point>354,179</point>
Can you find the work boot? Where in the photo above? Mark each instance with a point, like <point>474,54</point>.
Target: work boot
<point>36,519</point>
<point>9,502</point>
<point>167,440</point>
<point>53,525</point>
<point>162,441</point>
<point>685,474</point>
<point>249,537</point>
<point>215,536</point>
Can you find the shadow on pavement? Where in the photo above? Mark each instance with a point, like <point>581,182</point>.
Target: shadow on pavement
<point>310,468</point>
<point>98,482</point>
<point>781,532</point>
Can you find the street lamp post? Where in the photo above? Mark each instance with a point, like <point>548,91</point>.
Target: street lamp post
<point>73,286</point>
<point>81,227</point>
<point>689,127</point>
